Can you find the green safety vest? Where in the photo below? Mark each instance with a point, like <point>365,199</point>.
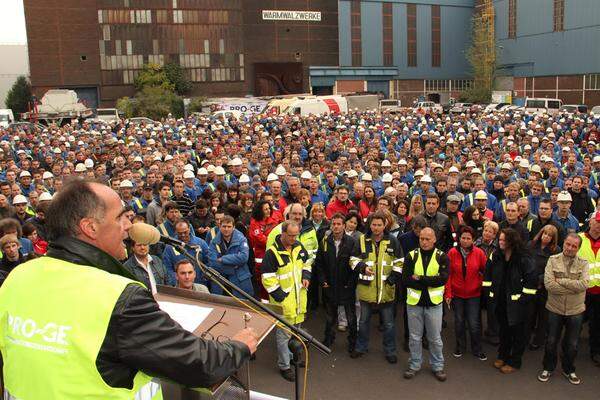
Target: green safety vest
<point>436,294</point>
<point>372,288</point>
<point>586,252</point>
<point>50,341</point>
<point>288,277</point>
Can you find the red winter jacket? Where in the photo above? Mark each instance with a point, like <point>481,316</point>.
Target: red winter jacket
<point>336,206</point>
<point>469,285</point>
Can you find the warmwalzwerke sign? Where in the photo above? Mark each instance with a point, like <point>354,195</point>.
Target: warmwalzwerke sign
<point>285,15</point>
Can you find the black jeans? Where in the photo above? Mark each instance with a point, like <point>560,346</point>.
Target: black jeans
<point>570,341</point>
<point>536,326</point>
<point>467,312</point>
<point>513,339</point>
<point>592,304</point>
<point>331,321</point>
<point>492,320</point>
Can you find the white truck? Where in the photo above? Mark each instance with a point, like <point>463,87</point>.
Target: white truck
<point>428,107</point>
<point>317,105</point>
<point>6,117</point>
<point>58,106</point>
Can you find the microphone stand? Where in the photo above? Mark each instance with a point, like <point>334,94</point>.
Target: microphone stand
<point>215,276</point>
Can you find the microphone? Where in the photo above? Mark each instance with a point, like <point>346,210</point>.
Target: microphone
<point>147,234</point>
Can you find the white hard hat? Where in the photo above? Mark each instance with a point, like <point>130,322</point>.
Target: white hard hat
<point>89,163</point>
<point>306,175</point>
<point>19,199</point>
<point>280,171</point>
<point>126,183</point>
<point>564,196</point>
<point>188,175</point>
<point>272,177</point>
<point>236,162</point>
<point>202,171</point>
<point>386,178</point>
<point>351,174</point>
<point>45,196</point>
<point>426,178</point>
<point>80,168</point>
<point>47,175</point>
<point>219,170</point>
<point>367,177</point>
<point>24,174</point>
<point>386,163</point>
<point>244,178</point>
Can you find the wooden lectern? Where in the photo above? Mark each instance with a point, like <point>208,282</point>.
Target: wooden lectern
<point>231,315</point>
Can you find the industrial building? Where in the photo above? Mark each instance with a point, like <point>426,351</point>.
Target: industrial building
<point>401,49</point>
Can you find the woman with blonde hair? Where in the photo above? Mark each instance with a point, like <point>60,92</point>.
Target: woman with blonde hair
<point>416,206</point>
<point>318,219</point>
<point>543,245</point>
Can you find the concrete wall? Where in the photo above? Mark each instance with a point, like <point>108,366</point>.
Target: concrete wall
<point>15,63</point>
<point>537,50</point>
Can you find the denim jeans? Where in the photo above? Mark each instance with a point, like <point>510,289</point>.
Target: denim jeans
<point>570,341</point>
<point>284,355</point>
<point>429,318</point>
<point>386,313</point>
<point>467,313</point>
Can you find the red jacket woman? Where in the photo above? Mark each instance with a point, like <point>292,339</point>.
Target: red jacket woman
<point>368,204</point>
<point>465,279</point>
<point>263,220</point>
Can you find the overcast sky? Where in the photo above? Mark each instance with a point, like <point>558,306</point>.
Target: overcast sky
<point>12,22</point>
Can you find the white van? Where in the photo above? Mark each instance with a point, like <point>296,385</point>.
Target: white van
<point>317,106</point>
<point>6,117</point>
<point>540,105</point>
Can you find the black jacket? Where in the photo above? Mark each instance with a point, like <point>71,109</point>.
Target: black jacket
<point>140,336</point>
<point>582,205</point>
<point>336,271</point>
<point>440,223</point>
<point>522,275</point>
<point>425,282</point>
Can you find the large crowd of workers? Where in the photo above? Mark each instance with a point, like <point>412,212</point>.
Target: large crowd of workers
<point>405,216</point>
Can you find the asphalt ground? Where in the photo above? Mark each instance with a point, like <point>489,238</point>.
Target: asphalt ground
<point>337,376</point>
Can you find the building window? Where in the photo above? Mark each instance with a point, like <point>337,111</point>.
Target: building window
<point>460,85</point>
<point>512,19</point>
<point>411,34</point>
<point>436,37</point>
<point>437,85</point>
<point>592,81</point>
<point>355,29</point>
<point>100,18</point>
<point>388,35</point>
<point>221,46</point>
<point>178,16</point>
<point>559,15</point>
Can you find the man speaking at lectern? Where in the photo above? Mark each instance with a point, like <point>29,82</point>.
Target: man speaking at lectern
<point>76,325</point>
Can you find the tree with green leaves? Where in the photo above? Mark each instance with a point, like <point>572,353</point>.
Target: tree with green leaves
<point>19,96</point>
<point>482,58</point>
<point>176,76</point>
<point>158,89</point>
